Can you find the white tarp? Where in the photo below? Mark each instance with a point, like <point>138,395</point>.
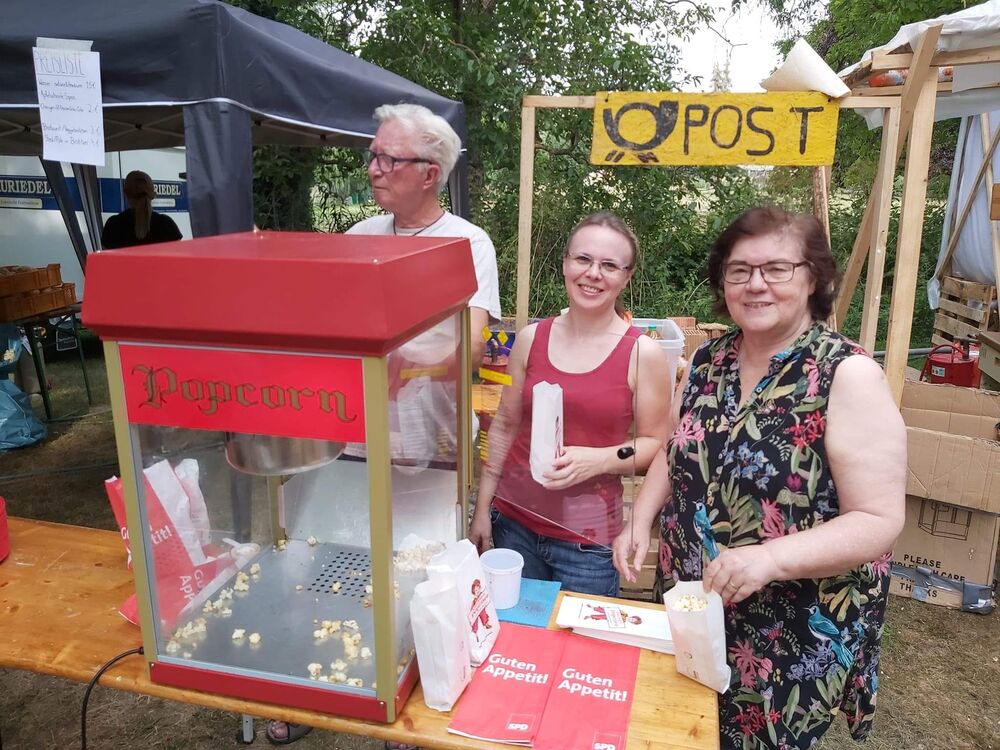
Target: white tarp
<point>973,256</point>
<point>971,28</point>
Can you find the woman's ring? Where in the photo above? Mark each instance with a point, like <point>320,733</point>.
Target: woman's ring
<point>732,585</point>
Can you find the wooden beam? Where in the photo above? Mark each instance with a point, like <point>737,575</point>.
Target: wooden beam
<point>858,101</point>
<point>882,60</point>
<point>821,197</point>
<point>911,214</point>
<point>882,197</point>
<point>559,102</point>
<point>525,203</point>
<point>995,203</point>
<point>944,87</point>
<point>907,102</point>
<point>967,206</point>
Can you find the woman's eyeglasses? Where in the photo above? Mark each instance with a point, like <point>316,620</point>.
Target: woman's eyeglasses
<point>774,272</point>
<point>583,263</point>
<point>387,163</point>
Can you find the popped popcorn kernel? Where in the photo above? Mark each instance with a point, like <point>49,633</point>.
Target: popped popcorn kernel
<point>690,603</point>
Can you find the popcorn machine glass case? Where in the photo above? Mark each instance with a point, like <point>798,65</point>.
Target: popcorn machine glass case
<point>293,436</point>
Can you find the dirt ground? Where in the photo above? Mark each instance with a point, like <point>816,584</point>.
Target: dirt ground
<point>940,685</point>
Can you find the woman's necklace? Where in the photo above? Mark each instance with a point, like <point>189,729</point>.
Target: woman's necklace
<point>419,231</point>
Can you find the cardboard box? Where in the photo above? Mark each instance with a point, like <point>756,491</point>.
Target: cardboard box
<point>958,544</point>
<point>953,490</point>
<point>953,452</point>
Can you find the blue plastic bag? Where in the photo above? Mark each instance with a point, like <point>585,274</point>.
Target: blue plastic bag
<point>19,427</point>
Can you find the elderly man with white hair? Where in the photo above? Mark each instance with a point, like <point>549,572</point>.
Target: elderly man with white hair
<point>409,162</point>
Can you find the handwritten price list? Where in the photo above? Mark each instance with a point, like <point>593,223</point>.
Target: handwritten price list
<point>69,105</point>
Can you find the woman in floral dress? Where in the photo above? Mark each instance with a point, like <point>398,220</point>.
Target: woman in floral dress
<point>790,439</point>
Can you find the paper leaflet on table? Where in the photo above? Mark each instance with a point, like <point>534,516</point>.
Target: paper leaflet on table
<point>507,695</point>
<point>591,699</point>
<point>616,622</point>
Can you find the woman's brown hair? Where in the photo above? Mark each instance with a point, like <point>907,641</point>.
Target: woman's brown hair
<point>139,192</point>
<point>767,220</point>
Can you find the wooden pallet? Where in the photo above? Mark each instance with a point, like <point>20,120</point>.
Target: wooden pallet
<point>964,310</point>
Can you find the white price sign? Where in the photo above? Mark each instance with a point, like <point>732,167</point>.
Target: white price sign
<point>69,104</point>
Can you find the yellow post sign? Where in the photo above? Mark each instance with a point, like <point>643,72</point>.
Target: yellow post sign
<point>781,129</point>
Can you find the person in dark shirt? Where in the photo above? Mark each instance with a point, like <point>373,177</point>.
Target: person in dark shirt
<point>139,224</point>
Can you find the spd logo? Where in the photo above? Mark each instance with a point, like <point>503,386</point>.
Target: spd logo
<point>606,741</point>
<point>520,722</point>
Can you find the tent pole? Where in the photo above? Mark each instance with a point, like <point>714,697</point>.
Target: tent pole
<point>911,214</point>
<point>524,208</point>
<point>53,172</point>
<point>884,179</point>
<point>90,199</point>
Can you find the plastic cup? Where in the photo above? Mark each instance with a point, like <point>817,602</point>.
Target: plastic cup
<point>503,575</point>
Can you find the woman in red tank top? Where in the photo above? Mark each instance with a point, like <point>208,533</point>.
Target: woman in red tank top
<point>615,384</point>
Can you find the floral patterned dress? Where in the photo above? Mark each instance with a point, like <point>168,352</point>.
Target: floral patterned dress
<point>801,651</point>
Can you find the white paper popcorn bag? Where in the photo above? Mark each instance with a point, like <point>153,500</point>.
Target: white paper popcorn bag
<point>479,614</point>
<point>440,640</point>
<point>697,624</point>
<point>546,428</point>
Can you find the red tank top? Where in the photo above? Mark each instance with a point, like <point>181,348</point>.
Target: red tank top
<point>597,412</point>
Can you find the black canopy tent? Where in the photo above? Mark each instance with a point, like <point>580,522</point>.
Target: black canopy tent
<point>210,77</point>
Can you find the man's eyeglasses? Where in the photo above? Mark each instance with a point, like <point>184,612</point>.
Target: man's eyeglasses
<point>774,272</point>
<point>583,263</point>
<point>387,163</point>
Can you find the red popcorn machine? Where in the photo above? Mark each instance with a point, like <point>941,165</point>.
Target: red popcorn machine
<point>292,413</point>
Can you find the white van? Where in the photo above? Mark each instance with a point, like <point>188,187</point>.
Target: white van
<point>32,232</point>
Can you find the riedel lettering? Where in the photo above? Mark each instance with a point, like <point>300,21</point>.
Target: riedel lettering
<point>160,384</point>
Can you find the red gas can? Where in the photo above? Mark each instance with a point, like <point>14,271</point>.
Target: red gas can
<point>948,363</point>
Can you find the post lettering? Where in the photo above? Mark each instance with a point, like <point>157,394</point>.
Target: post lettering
<point>690,122</point>
<point>804,127</point>
<point>713,129</point>
<point>751,125</point>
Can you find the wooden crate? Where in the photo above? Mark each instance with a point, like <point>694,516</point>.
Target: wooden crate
<point>963,311</point>
<point>18,280</point>
<point>36,302</point>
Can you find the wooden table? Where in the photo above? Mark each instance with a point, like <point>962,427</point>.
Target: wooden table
<point>59,594</point>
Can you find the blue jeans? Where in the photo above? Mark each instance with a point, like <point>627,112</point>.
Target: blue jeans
<point>583,568</point>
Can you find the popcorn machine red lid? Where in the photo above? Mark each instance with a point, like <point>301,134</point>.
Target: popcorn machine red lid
<point>353,294</point>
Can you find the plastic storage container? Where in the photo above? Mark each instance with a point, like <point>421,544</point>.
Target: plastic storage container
<point>670,338</point>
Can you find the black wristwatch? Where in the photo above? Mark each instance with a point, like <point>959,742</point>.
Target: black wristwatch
<point>626,452</point>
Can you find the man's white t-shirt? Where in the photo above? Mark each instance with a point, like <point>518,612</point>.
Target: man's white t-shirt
<point>484,255</point>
